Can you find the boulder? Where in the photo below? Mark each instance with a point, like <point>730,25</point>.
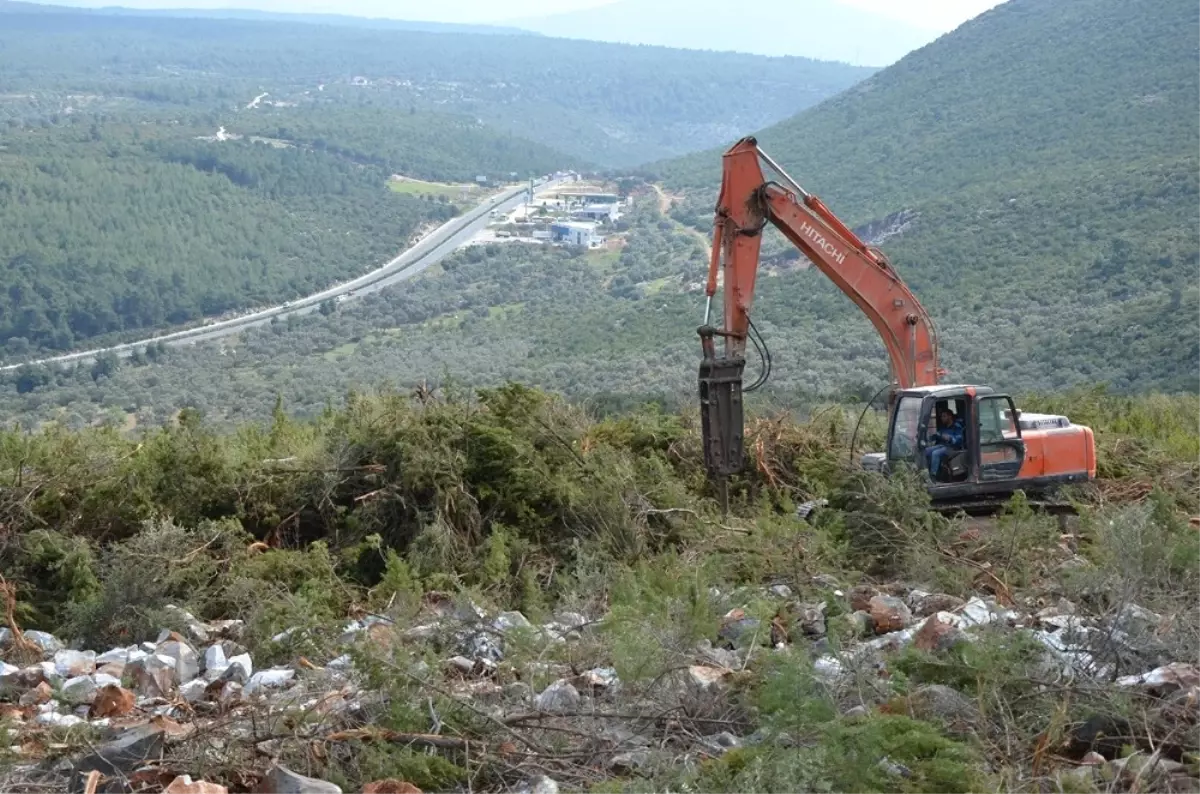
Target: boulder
<point>120,655</point>
<point>48,643</point>
<point>275,678</point>
<point>507,621</point>
<point>215,663</point>
<point>193,691</point>
<point>153,676</point>
<point>185,658</point>
<point>36,696</point>
<point>558,698</point>
<point>888,613</point>
<point>596,681</point>
<point>860,597</point>
<point>79,691</point>
<point>70,664</point>
<point>811,619</point>
<point>939,632</point>
<point>112,701</point>
<point>700,678</point>
<point>121,756</point>
<point>738,630</point>
<point>240,669</point>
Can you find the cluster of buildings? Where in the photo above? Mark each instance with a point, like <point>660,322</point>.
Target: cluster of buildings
<point>578,215</point>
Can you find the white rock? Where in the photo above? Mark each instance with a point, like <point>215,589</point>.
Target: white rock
<point>781,591</point>
<point>424,632</point>
<point>828,668</point>
<point>240,669</point>
<point>215,663</point>
<point>284,635</point>
<point>507,621</point>
<point>557,698</point>
<point>894,641</point>
<point>50,673</point>
<point>5,637</point>
<point>154,675</point>
<point>104,679</point>
<point>47,642</point>
<point>702,678</point>
<point>69,664</point>
<point>193,690</point>
<point>187,663</point>
<point>461,665</point>
<point>57,720</point>
<point>600,678</point>
<point>195,628</point>
<point>275,678</point>
<point>342,662</point>
<point>8,669</point>
<point>115,655</point>
<point>543,785</point>
<point>79,690</point>
<point>978,612</point>
<point>135,654</point>
<point>572,620</point>
<point>915,597</point>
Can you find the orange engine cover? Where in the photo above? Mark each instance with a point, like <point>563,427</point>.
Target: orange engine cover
<point>1057,451</point>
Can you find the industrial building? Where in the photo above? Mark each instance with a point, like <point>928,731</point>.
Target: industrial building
<point>581,233</point>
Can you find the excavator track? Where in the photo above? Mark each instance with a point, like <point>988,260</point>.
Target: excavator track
<point>988,507</point>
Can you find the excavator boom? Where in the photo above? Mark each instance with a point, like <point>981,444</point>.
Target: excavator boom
<point>747,203</point>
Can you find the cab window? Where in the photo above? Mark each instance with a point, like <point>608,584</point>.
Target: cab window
<point>904,432</point>
<point>995,421</point>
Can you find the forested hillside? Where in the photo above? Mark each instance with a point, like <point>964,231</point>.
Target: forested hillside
<point>128,223</point>
<point>1047,154</point>
<point>604,103</point>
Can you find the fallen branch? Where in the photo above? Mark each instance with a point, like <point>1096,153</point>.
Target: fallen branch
<point>422,740</point>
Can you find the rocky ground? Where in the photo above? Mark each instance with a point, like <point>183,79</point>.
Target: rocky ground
<point>188,712</point>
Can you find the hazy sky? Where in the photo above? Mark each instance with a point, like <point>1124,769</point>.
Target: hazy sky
<point>939,15</point>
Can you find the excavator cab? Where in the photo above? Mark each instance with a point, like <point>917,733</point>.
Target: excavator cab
<point>992,449</point>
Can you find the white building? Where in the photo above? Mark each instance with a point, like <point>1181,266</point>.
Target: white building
<point>580,233</point>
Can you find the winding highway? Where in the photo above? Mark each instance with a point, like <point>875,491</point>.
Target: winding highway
<point>428,251</point>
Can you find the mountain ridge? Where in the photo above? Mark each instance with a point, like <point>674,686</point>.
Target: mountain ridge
<point>345,20</point>
<point>1074,165</point>
<point>703,25</point>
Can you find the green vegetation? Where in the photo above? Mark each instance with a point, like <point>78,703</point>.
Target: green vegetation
<point>127,225</point>
<point>583,327</point>
<point>1052,192</point>
<point>603,103</point>
<point>125,219</point>
<point>519,500</point>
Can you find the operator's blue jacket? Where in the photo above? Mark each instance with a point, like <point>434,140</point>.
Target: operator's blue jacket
<point>952,435</point>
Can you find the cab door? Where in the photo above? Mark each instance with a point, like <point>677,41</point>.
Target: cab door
<point>1001,451</point>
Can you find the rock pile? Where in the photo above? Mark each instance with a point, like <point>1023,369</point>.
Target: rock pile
<point>157,712</point>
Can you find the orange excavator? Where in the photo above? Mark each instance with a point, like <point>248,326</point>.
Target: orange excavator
<point>975,446</point>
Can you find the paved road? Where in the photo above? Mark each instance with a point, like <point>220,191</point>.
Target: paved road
<point>433,248</point>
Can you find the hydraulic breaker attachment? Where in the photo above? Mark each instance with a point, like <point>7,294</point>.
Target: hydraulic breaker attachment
<point>721,415</point>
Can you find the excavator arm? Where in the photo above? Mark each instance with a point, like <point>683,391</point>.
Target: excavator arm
<point>747,203</point>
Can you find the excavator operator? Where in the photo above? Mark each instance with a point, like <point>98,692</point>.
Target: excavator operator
<point>949,436</point>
